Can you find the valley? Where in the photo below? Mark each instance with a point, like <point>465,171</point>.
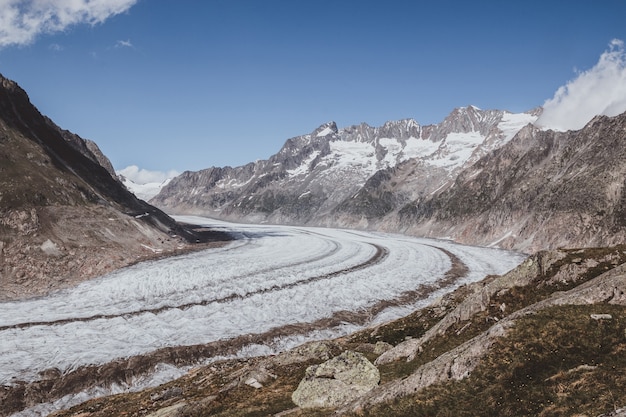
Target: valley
<point>272,288</point>
<point>419,247</point>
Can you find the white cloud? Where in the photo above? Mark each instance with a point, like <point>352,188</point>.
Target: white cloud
<point>55,47</point>
<point>21,21</point>
<point>124,44</point>
<point>598,91</point>
<point>144,176</point>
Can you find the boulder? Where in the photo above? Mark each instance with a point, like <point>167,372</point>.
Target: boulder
<point>50,248</point>
<point>336,381</point>
<point>317,350</point>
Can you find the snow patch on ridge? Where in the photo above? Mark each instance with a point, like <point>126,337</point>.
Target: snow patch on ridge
<point>419,148</point>
<point>354,154</point>
<point>456,149</point>
<point>304,166</point>
<point>327,131</point>
<point>230,183</point>
<point>513,122</point>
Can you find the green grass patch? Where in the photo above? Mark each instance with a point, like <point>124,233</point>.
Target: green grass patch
<point>554,363</point>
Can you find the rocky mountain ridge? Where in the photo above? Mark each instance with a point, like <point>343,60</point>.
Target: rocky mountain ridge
<point>543,189</point>
<point>63,217</point>
<point>315,177</point>
<point>86,147</point>
<point>479,177</point>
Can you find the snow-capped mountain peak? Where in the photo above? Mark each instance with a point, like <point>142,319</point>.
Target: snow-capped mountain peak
<point>313,173</point>
<point>325,130</point>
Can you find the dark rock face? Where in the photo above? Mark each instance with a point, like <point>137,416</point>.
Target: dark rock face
<point>85,146</point>
<point>63,216</point>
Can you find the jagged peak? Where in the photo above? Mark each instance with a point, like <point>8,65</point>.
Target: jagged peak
<point>470,110</point>
<point>472,114</point>
<point>6,83</point>
<point>465,109</point>
<point>408,122</point>
<point>13,88</point>
<point>326,129</point>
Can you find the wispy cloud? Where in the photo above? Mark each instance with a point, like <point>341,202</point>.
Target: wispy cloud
<point>144,176</point>
<point>124,44</point>
<point>598,91</point>
<point>55,47</point>
<point>21,21</point>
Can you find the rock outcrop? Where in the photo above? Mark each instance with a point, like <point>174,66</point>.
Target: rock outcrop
<point>477,301</point>
<point>336,381</point>
<point>459,362</point>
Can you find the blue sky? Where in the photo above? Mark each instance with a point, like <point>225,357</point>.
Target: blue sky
<point>185,85</point>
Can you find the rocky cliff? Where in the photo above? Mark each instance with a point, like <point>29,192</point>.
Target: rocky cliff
<point>87,147</point>
<point>543,189</point>
<point>63,216</point>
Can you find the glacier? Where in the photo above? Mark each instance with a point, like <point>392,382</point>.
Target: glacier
<point>271,276</point>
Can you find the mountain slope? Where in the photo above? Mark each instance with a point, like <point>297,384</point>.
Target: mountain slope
<point>314,175</point>
<point>63,217</point>
<point>542,189</point>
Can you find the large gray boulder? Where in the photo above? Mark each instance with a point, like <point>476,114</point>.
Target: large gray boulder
<point>336,382</point>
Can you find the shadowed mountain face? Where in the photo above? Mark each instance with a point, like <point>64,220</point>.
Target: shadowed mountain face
<point>542,189</point>
<point>48,154</point>
<point>63,217</point>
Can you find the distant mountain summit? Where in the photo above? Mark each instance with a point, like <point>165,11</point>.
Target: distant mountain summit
<point>318,178</point>
<point>143,191</point>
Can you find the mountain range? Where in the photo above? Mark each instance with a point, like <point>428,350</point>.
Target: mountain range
<point>322,175</point>
<point>485,177</point>
<point>543,189</point>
